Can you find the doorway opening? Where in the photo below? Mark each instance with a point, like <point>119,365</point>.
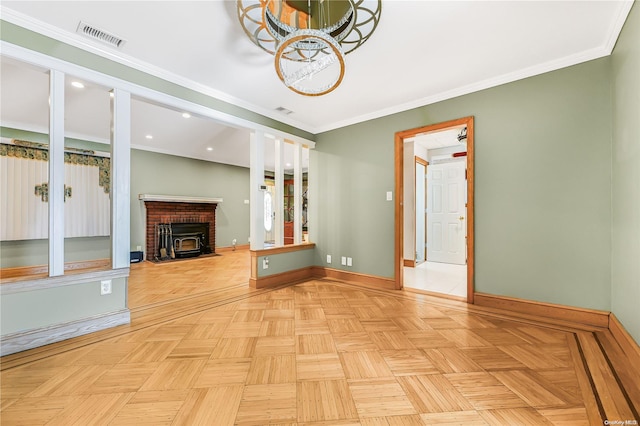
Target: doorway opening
<point>434,209</point>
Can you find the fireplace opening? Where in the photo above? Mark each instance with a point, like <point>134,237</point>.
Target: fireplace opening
<point>180,240</point>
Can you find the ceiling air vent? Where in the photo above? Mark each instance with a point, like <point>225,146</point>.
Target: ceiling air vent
<point>100,35</point>
<point>284,110</point>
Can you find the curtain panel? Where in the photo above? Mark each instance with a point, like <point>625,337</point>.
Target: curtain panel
<point>24,192</point>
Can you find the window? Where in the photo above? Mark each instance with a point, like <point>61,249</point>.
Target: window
<point>268,212</point>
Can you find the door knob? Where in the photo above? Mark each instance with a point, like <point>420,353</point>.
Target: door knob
<point>461,218</point>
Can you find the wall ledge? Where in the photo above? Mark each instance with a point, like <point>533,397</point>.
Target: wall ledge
<point>62,280</point>
<point>22,273</point>
<point>17,342</point>
<point>284,249</point>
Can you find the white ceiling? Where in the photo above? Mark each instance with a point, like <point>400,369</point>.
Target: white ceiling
<point>422,52</point>
<point>440,139</point>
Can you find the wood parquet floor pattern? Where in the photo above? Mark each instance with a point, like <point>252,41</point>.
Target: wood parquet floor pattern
<point>158,283</point>
<point>320,353</point>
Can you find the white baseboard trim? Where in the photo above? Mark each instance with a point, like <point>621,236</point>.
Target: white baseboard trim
<point>18,342</point>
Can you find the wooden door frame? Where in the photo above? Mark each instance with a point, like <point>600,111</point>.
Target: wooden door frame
<point>417,160</point>
<point>399,189</point>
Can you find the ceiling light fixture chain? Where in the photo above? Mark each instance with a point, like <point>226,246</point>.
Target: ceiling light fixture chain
<point>309,38</point>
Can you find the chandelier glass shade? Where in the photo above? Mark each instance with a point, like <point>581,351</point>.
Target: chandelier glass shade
<point>309,38</point>
<point>318,75</point>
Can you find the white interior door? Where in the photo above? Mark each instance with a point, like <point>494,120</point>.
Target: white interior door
<point>420,212</point>
<point>446,213</point>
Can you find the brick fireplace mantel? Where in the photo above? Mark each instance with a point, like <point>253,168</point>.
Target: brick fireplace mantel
<point>177,209</point>
<point>179,199</point>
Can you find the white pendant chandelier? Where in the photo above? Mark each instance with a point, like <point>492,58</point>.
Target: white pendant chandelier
<point>309,38</point>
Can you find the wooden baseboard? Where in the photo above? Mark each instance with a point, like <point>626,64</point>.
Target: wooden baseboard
<point>17,342</point>
<point>370,281</point>
<point>26,271</point>
<point>231,248</point>
<point>629,346</point>
<point>560,314</point>
<point>281,278</point>
<point>409,263</point>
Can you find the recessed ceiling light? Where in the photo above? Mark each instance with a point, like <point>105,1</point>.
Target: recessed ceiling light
<point>111,94</point>
<point>186,115</point>
<point>288,164</point>
<point>209,148</point>
<point>77,84</point>
<point>149,137</point>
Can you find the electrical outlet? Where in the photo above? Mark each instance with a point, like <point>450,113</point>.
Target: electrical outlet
<point>328,258</point>
<point>349,261</point>
<point>246,201</point>
<point>105,287</point>
<point>265,263</point>
<point>138,248</point>
<point>344,260</point>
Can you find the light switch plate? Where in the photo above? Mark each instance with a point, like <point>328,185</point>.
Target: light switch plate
<point>389,196</point>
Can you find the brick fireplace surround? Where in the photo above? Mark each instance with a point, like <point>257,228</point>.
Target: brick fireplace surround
<point>178,212</point>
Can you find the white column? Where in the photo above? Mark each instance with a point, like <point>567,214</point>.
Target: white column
<point>256,194</point>
<point>120,176</point>
<point>297,193</point>
<point>56,173</point>
<point>279,199</point>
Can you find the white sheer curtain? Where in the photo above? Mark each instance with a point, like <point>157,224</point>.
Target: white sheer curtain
<point>24,212</point>
<point>86,212</point>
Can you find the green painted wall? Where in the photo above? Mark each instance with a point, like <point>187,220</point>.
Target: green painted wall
<point>161,174</point>
<point>14,254</point>
<point>36,252</point>
<point>543,187</point>
<point>284,262</point>
<point>625,276</point>
<point>41,308</point>
<point>8,132</point>
<point>350,172</point>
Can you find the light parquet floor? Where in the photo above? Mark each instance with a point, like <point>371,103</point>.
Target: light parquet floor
<point>155,283</point>
<point>316,353</point>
